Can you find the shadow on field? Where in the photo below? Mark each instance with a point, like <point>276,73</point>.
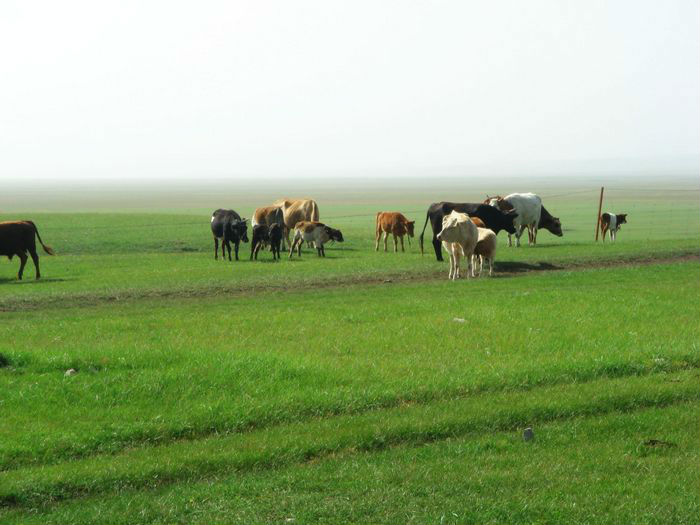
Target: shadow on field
<point>520,267</point>
<point>26,280</point>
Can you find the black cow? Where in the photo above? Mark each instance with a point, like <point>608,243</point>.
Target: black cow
<point>17,238</point>
<point>550,223</point>
<point>228,226</point>
<point>276,236</point>
<point>493,219</point>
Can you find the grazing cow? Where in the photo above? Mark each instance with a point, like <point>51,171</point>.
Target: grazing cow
<point>459,236</point>
<point>268,216</point>
<point>492,218</point>
<point>296,210</point>
<point>395,223</point>
<point>611,222</point>
<point>485,249</point>
<point>228,226</point>
<point>316,232</point>
<point>17,238</point>
<point>263,234</point>
<point>531,215</point>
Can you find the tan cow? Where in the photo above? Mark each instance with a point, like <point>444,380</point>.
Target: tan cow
<point>296,210</point>
<point>485,249</point>
<point>395,223</point>
<point>316,233</point>
<point>459,236</point>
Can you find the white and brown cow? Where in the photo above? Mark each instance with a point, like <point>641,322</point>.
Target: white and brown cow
<point>459,236</point>
<point>611,222</point>
<point>313,232</point>
<point>485,249</point>
<point>296,210</point>
<point>394,223</point>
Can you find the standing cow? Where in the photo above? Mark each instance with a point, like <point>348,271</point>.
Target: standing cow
<point>296,210</point>
<point>316,233</point>
<point>611,222</point>
<point>459,236</point>
<point>493,218</point>
<point>263,234</point>
<point>229,227</point>
<point>395,223</point>
<point>531,215</point>
<point>18,238</point>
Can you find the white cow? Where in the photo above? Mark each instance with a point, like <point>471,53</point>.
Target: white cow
<point>459,236</point>
<point>529,209</point>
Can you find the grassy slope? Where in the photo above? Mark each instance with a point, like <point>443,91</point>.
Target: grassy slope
<point>262,379</point>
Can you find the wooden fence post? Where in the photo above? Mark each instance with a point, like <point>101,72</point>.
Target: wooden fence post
<point>600,208</point>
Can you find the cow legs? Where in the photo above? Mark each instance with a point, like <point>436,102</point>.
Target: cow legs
<point>235,247</point>
<point>604,230</point>
<point>402,246</point>
<point>396,243</point>
<point>377,236</point>
<point>510,241</point>
<point>613,234</point>
<point>22,262</point>
<point>35,258</point>
<point>386,238</point>
<point>438,248</point>
<point>216,248</point>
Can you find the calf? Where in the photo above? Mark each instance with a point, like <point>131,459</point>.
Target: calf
<point>316,232</point>
<point>485,249</point>
<point>263,234</point>
<point>395,223</point>
<point>611,222</point>
<point>459,236</point>
<point>268,216</point>
<point>17,238</point>
<point>228,226</point>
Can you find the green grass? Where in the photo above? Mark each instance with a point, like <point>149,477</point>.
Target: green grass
<point>360,388</point>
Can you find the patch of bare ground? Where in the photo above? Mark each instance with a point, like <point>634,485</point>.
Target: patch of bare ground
<point>503,269</point>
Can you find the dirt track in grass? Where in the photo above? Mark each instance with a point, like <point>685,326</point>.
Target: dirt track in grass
<point>502,270</point>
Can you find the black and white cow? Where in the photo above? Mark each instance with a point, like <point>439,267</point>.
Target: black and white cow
<point>493,219</point>
<point>229,227</point>
<point>611,222</point>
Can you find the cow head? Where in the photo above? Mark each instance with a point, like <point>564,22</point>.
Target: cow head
<point>241,229</point>
<point>334,235</point>
<point>451,225</point>
<point>554,226</point>
<point>409,227</point>
<point>621,218</point>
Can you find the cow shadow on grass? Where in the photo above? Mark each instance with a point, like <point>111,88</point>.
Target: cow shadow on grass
<point>521,267</point>
<point>14,280</point>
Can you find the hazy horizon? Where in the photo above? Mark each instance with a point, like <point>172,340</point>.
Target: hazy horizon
<point>132,92</point>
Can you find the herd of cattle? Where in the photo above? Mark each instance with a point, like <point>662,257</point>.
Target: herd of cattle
<point>466,230</point>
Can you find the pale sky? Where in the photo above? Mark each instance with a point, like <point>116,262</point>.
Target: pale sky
<point>164,90</point>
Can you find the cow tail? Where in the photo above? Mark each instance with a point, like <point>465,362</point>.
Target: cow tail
<point>314,212</point>
<point>427,217</point>
<point>46,248</point>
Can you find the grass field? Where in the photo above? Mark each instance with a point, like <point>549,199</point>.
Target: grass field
<point>363,387</point>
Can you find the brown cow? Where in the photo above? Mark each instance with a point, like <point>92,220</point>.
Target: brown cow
<point>296,210</point>
<point>395,223</point>
<point>17,238</point>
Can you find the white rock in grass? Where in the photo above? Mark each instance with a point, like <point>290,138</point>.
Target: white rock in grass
<point>458,320</point>
<point>528,434</point>
<point>70,372</point>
